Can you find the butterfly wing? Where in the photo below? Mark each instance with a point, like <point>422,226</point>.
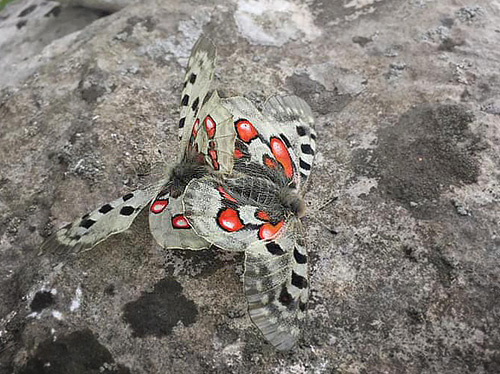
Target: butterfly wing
<point>199,75</point>
<point>276,287</point>
<point>259,139</point>
<point>169,226</point>
<point>295,119</point>
<point>213,135</point>
<point>234,212</point>
<point>96,226</point>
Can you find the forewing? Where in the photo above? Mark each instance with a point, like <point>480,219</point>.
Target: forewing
<point>276,287</point>
<point>235,212</point>
<point>199,75</point>
<point>169,226</point>
<point>213,135</point>
<point>260,140</point>
<point>94,227</point>
<point>294,118</point>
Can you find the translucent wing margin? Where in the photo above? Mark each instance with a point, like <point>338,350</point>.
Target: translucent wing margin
<point>96,226</point>
<point>276,288</point>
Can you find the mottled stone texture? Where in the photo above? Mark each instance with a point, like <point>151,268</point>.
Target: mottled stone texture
<point>407,100</point>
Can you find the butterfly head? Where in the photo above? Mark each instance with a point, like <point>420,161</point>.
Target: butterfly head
<point>182,174</point>
<point>292,201</point>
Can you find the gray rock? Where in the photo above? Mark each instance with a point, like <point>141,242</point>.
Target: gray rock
<point>401,287</point>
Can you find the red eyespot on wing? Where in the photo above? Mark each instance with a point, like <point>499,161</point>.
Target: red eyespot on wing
<point>229,220</point>
<point>282,155</point>
<point>263,216</point>
<point>159,206</point>
<point>269,162</point>
<point>195,128</point>
<point>180,222</point>
<point>225,195</point>
<point>238,154</point>
<point>212,153</point>
<point>209,126</point>
<point>269,231</point>
<point>246,131</point>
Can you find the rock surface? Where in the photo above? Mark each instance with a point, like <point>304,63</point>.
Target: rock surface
<point>406,96</point>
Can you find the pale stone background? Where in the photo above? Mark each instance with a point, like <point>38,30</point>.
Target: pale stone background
<point>407,100</point>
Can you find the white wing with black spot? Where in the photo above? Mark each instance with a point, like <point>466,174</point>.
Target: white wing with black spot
<point>96,226</point>
<point>276,287</point>
<point>199,75</point>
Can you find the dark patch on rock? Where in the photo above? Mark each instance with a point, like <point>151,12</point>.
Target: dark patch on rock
<point>444,268</point>
<point>200,264</point>
<point>55,11</point>
<point>42,300</point>
<point>361,40</point>
<point>156,313</point>
<point>78,353</point>
<point>149,23</point>
<point>447,22</point>
<point>21,24</point>
<point>429,149</point>
<point>110,290</point>
<point>321,100</point>
<point>93,85</point>
<point>27,10</point>
<point>449,44</point>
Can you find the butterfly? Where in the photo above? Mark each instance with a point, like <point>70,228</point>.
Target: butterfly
<point>207,138</point>
<point>237,184</point>
<point>257,210</point>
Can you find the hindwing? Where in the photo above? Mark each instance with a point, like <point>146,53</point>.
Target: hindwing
<point>276,286</point>
<point>169,226</point>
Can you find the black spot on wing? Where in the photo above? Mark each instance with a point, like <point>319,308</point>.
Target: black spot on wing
<point>181,122</point>
<point>306,148</point>
<point>285,298</point>
<point>304,165</point>
<point>286,141</point>
<point>127,210</point>
<point>105,209</point>
<point>274,249</point>
<point>192,78</point>
<point>299,281</point>
<point>194,107</point>
<point>313,136</point>
<point>302,306</point>
<point>128,196</point>
<point>299,257</point>
<point>301,131</point>
<point>87,223</point>
<point>185,100</point>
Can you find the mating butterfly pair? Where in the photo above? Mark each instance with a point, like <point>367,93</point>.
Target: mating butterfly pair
<point>238,185</point>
